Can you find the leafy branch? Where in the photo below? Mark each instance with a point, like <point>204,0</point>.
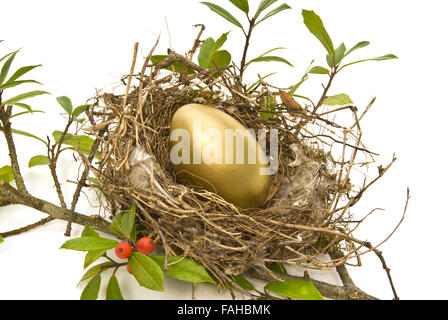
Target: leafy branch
<point>334,57</point>
<point>253,21</point>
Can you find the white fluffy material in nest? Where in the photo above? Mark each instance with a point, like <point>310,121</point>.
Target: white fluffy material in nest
<point>299,187</point>
<point>142,170</point>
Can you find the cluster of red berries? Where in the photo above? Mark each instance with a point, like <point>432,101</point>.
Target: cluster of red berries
<point>144,245</point>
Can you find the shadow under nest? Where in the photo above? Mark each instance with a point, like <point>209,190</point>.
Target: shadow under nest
<point>303,215</point>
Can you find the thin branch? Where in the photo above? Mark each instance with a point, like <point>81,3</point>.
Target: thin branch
<point>27,228</point>
<point>197,42</point>
<point>5,113</point>
<point>14,196</point>
<point>84,176</point>
<point>246,47</point>
<point>324,93</point>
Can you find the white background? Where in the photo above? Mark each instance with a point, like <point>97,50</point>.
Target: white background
<point>87,45</point>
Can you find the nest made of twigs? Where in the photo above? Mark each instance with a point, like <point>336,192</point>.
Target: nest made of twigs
<point>309,200</point>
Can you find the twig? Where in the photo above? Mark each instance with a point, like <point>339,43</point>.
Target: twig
<point>16,197</point>
<point>197,42</point>
<point>27,228</point>
<point>324,93</point>
<point>5,113</point>
<point>53,157</point>
<point>246,47</point>
<point>84,176</point>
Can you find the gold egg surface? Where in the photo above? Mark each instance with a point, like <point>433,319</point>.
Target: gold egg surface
<point>227,167</point>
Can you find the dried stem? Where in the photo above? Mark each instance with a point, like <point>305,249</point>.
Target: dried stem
<point>27,228</point>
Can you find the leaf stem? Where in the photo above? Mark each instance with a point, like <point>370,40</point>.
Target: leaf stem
<point>324,93</point>
<point>246,46</point>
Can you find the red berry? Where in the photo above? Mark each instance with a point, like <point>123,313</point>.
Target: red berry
<point>145,245</point>
<point>123,250</point>
<point>129,268</point>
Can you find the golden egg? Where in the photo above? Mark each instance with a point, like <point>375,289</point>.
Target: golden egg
<point>212,150</point>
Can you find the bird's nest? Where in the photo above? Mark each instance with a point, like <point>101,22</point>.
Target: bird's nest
<point>310,200</point>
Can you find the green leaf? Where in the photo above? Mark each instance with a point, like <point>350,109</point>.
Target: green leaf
<point>385,57</point>
<point>330,60</point>
<point>1,239</point>
<point>25,112</point>
<point>258,81</point>
<point>264,54</point>
<point>89,243</point>
<point>221,58</point>
<point>21,71</point>
<point>339,53</point>
<point>282,7</point>
<point>12,84</point>
<point>316,27</point>
<point>205,52</point>
<point>338,56</point>
<point>157,58</point>
<point>26,134</point>
<point>6,67</point>
<point>65,103</point>
<point>80,109</point>
<point>22,105</point>
<point>6,174</point>
<point>271,58</point>
<point>269,106</point>
<point>276,267</point>
<point>97,269</point>
<point>243,283</point>
<point>116,227</point>
<point>221,40</point>
<point>209,53</point>
<point>271,50</point>
<point>127,221</point>
<point>84,143</point>
<point>295,289</point>
<point>113,289</point>
<point>92,256</point>
<point>223,13</point>
<point>185,270</point>
<point>264,4</point>
<point>92,289</point>
<point>89,232</point>
<point>338,100</point>
<point>357,46</point>
<point>9,54</point>
<point>93,180</point>
<point>297,85</point>
<point>146,271</point>
<point>38,160</point>
<point>243,5</point>
<point>319,70</point>
<point>23,96</point>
